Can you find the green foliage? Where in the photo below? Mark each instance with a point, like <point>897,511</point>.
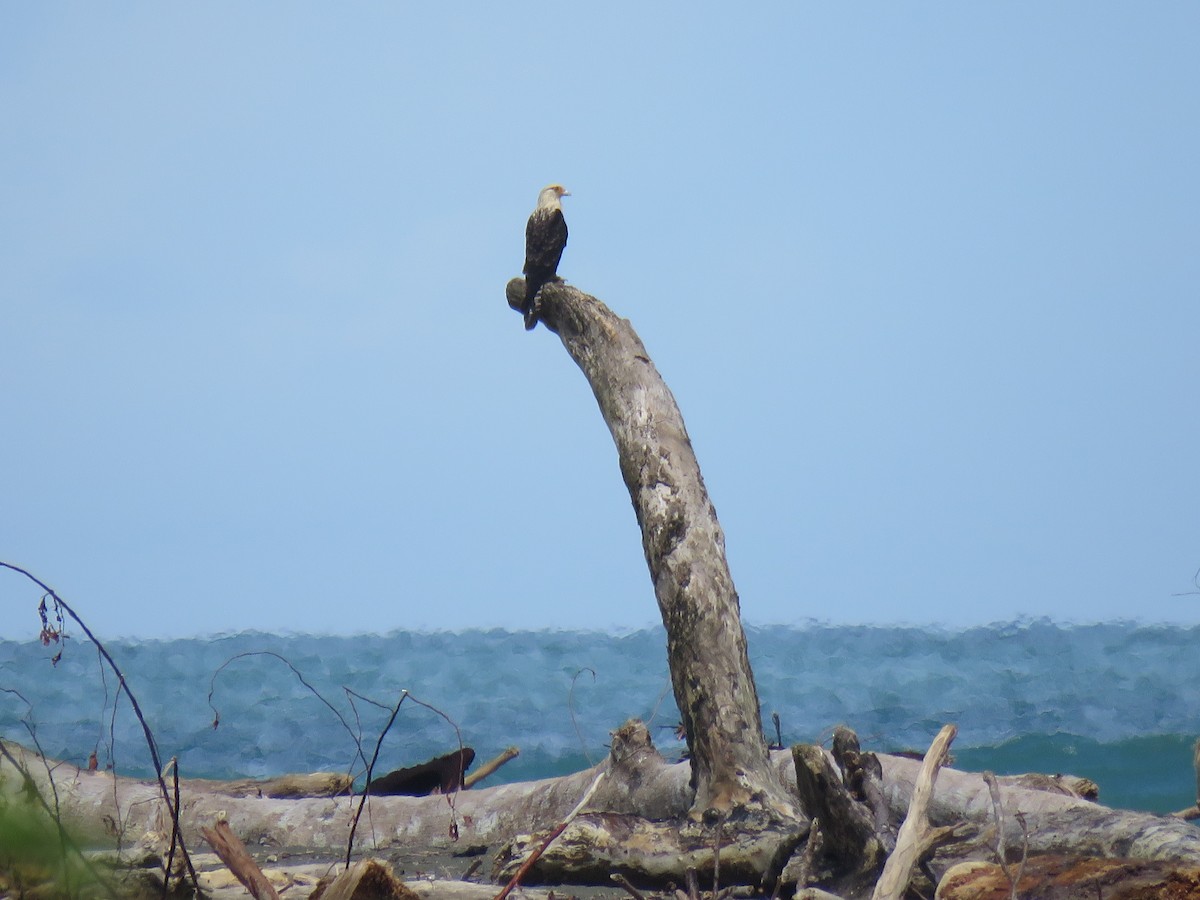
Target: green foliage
<point>32,853</point>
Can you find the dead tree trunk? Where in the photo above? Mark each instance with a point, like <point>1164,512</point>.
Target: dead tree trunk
<point>685,551</point>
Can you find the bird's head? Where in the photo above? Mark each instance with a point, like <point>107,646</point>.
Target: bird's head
<point>551,194</point>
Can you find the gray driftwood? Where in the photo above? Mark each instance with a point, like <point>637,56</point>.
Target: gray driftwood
<point>639,783</point>
<point>731,786</point>
<point>852,853</point>
<point>685,552</point>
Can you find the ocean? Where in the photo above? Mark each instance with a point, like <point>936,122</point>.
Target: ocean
<point>1118,702</point>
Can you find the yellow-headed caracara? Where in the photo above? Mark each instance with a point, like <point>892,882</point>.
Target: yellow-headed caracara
<point>545,238</point>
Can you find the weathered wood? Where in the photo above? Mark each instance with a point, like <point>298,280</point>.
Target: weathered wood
<point>489,767</point>
<point>1070,785</point>
<point>684,548</point>
<point>1073,878</point>
<point>798,870</point>
<point>640,782</point>
<point>649,854</point>
<point>439,775</point>
<point>863,777</point>
<point>811,893</point>
<point>301,880</point>
<point>368,879</point>
<point>916,834</point>
<point>98,805</point>
<point>233,853</point>
<point>543,844</point>
<point>851,851</point>
<point>1056,823</point>
<point>312,784</point>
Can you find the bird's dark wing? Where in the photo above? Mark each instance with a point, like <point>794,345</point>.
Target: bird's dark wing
<point>545,238</point>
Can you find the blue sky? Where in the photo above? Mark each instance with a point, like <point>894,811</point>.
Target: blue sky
<point>923,279</point>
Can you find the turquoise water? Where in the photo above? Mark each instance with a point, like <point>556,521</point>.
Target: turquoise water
<point>1118,702</point>
<point>1152,773</point>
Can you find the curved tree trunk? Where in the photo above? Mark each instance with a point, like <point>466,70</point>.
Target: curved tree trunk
<point>685,551</point>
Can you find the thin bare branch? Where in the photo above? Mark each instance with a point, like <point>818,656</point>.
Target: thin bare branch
<point>538,851</point>
<point>356,737</point>
<point>61,606</point>
<point>571,709</point>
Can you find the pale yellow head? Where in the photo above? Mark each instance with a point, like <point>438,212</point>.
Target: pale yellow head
<point>551,195</point>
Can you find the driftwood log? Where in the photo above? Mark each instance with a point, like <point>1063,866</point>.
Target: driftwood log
<point>639,784</point>
<point>851,849</point>
<point>239,861</point>
<point>312,784</point>
<point>734,811</point>
<point>685,552</point>
<point>916,838</point>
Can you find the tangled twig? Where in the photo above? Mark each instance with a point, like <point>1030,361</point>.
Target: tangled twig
<point>55,632</point>
<point>538,851</point>
<point>365,797</point>
<point>212,689</point>
<point>571,710</point>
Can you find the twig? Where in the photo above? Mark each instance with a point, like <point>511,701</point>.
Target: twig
<point>717,854</point>
<point>693,883</point>
<point>1020,817</point>
<point>815,839</point>
<point>239,861</point>
<point>56,812</point>
<point>370,768</point>
<point>623,882</point>
<point>173,764</point>
<point>1196,582</point>
<point>123,685</point>
<point>998,811</point>
<point>65,839</point>
<point>471,869</point>
<point>212,689</point>
<point>1001,850</point>
<point>364,799</point>
<point>490,766</point>
<point>571,710</point>
<point>915,835</point>
<point>537,852</point>
<point>658,704</point>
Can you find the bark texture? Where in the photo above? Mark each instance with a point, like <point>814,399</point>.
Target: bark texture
<point>916,837</point>
<point>851,852</point>
<point>685,552</point>
<point>1072,878</point>
<point>638,782</point>
<point>233,853</point>
<point>1054,822</point>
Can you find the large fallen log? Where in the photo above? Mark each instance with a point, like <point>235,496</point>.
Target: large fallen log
<point>102,808</point>
<point>98,806</point>
<point>1053,822</point>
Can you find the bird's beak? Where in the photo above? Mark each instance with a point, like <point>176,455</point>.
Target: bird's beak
<point>566,193</point>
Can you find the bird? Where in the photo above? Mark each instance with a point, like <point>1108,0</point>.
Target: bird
<point>545,238</point>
